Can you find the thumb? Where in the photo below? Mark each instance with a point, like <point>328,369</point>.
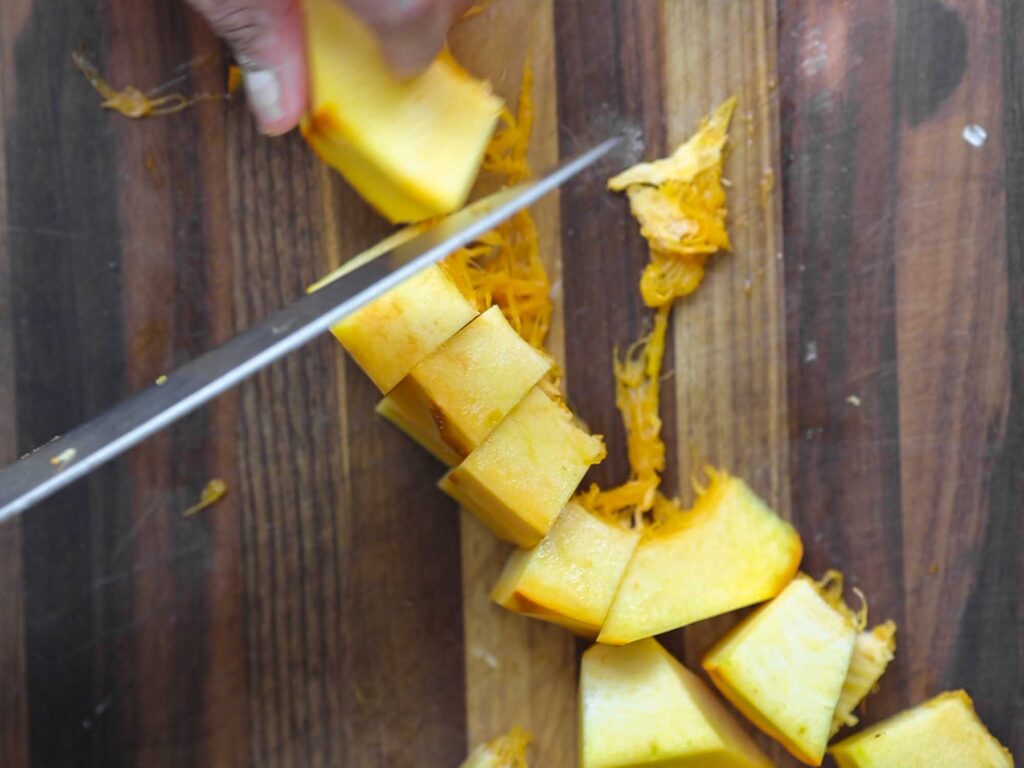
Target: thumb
<point>411,32</point>
<point>268,40</point>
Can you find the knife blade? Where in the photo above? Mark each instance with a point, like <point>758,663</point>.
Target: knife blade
<point>67,458</point>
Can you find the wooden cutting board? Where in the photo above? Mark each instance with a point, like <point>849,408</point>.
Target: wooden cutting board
<point>858,358</point>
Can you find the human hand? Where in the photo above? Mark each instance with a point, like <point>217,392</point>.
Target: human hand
<point>269,42</point>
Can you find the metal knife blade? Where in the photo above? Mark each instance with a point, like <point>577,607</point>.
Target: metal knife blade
<point>67,458</point>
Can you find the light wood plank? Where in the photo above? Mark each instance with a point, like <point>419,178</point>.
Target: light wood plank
<point>730,336</point>
<point>729,377</point>
<point>518,671</point>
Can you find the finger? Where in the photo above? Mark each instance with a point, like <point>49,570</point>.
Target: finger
<point>411,32</point>
<point>268,40</point>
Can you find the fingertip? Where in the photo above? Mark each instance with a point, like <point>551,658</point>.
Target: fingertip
<point>270,47</point>
<point>278,97</point>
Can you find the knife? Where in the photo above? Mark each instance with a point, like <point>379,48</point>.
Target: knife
<point>65,459</point>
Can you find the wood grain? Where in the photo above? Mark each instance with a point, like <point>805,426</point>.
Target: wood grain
<point>13,693</point>
<point>898,272</point>
<point>175,171</point>
<point>729,377</point>
<point>332,609</point>
<point>990,659</point>
<point>61,234</point>
<point>518,672</point>
<point>344,646</point>
<point>840,194</point>
<point>951,326</point>
<point>609,80</point>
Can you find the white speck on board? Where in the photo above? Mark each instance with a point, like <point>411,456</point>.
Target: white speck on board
<point>975,135</point>
<point>485,656</point>
<point>815,54</point>
<point>811,352</point>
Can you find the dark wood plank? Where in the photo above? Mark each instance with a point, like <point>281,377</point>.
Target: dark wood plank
<point>61,235</point>
<point>989,650</point>
<point>897,293</point>
<point>353,611</point>
<point>13,694</point>
<point>951,285</point>
<point>840,179</point>
<point>609,79</point>
<point>185,651</point>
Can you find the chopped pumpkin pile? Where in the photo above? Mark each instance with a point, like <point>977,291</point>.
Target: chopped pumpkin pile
<point>458,354</point>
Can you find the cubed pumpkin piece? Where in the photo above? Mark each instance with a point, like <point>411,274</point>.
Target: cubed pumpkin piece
<point>453,400</point>
<point>730,551</point>
<point>874,650</point>
<point>640,707</point>
<point>944,732</point>
<point>522,475</point>
<point>571,577</point>
<point>411,146</point>
<point>392,335</point>
<point>785,665</point>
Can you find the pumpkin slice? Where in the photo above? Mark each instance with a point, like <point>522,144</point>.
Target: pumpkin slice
<point>785,665</point>
<point>730,551</point>
<point>522,475</point>
<point>571,577</point>
<point>453,400</point>
<point>641,707</point>
<point>411,147</point>
<point>944,732</point>
<point>392,335</point>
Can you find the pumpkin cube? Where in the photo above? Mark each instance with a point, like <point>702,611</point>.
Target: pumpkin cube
<point>785,665</point>
<point>410,146</point>
<point>392,335</point>
<point>944,732</point>
<point>640,707</point>
<point>571,577</point>
<point>730,551</point>
<point>522,475</point>
<point>453,400</point>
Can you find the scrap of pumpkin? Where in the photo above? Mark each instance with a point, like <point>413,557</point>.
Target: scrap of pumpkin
<point>680,203</point>
<point>130,101</point>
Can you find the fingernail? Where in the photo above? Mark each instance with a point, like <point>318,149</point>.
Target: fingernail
<point>263,90</point>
